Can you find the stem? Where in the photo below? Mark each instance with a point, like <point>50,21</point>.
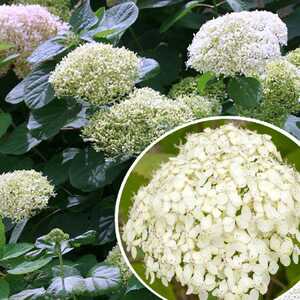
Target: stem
<point>135,39</point>
<point>61,264</point>
<point>278,282</point>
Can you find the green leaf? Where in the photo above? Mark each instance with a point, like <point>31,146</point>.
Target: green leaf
<point>103,279</point>
<point>148,68</point>
<point>292,22</point>
<point>29,266</point>
<point>106,223</point>
<point>5,122</point>
<point>90,171</point>
<point>292,125</point>
<point>17,94</point>
<point>102,34</point>
<point>74,285</point>
<point>156,3</point>
<point>12,163</point>
<point>47,50</point>
<point>68,271</point>
<point>47,121</point>
<point>144,294</point>
<point>240,5</point>
<point>18,142</point>
<point>2,238</point>
<point>32,294</point>
<point>245,91</point>
<point>186,9</point>
<point>9,59</point>
<point>133,285</point>
<point>87,238</point>
<point>5,46</point>
<point>17,231</point>
<point>4,289</point>
<point>83,17</point>
<point>170,62</point>
<point>56,169</point>
<point>119,18</point>
<point>37,88</point>
<point>16,250</point>
<point>203,81</point>
<point>85,263</point>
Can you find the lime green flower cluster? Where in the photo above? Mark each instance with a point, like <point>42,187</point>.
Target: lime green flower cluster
<point>294,57</point>
<point>201,106</point>
<point>57,236</point>
<point>61,8</point>
<point>281,84</point>
<point>281,92</point>
<point>189,86</point>
<point>23,193</point>
<point>186,86</point>
<point>116,259</point>
<point>98,73</point>
<point>205,105</point>
<point>131,125</point>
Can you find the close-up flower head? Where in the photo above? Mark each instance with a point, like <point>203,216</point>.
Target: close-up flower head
<point>130,126</point>
<point>237,43</point>
<point>96,72</point>
<point>25,27</point>
<point>220,217</point>
<point>23,193</point>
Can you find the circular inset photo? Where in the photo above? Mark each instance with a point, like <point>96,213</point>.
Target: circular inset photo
<point>211,210</point>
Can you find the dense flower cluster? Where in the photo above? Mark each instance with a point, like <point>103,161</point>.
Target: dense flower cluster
<point>115,258</point>
<point>281,93</point>
<point>189,86</point>
<point>59,8</point>
<point>131,125</point>
<point>281,84</point>
<point>220,216</point>
<point>23,193</point>
<point>96,72</point>
<point>25,27</point>
<point>201,106</point>
<point>294,57</point>
<point>237,43</point>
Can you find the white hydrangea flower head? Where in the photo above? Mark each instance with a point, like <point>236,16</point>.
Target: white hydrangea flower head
<point>130,126</point>
<point>218,217</point>
<point>96,72</point>
<point>26,27</point>
<point>23,193</point>
<point>237,43</point>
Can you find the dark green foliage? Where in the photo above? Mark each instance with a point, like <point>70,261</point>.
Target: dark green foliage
<point>39,131</point>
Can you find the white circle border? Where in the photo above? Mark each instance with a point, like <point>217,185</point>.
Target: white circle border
<point>141,155</point>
